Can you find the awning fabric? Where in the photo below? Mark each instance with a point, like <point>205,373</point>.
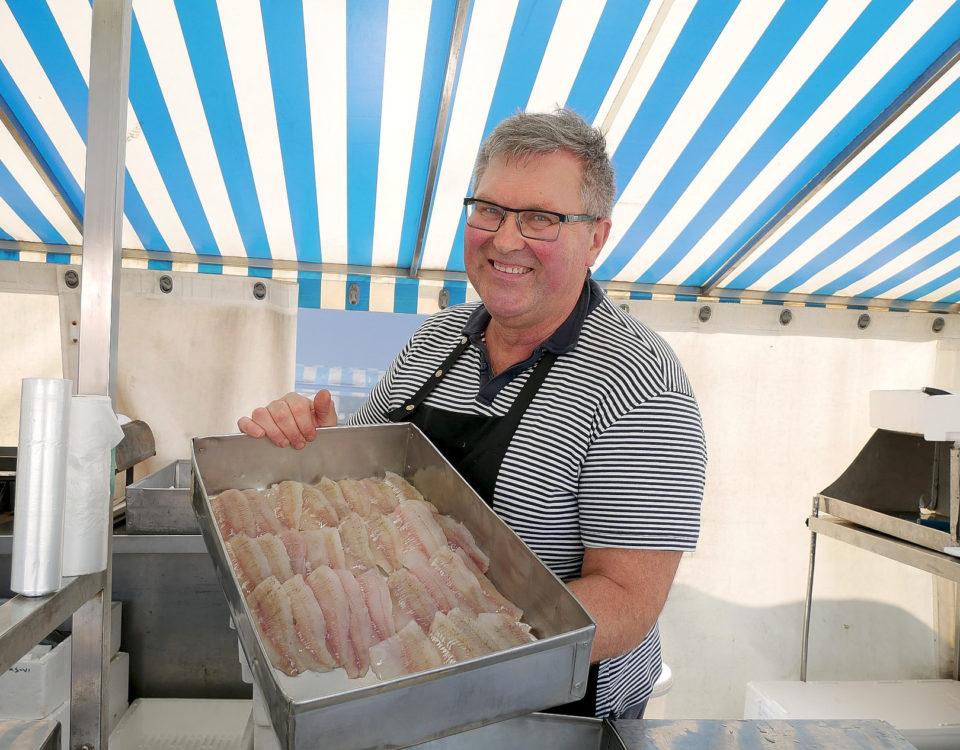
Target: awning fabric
<point>290,134</point>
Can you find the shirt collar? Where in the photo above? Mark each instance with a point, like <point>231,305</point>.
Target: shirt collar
<point>561,340</point>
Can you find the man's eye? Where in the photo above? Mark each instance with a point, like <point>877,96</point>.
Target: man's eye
<point>540,220</point>
<point>488,211</point>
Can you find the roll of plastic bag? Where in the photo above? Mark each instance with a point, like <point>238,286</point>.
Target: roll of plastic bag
<point>94,432</point>
<point>41,480</point>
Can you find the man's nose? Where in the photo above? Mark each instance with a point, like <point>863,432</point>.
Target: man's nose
<point>508,236</point>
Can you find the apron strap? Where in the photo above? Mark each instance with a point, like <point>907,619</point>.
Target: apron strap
<point>404,410</point>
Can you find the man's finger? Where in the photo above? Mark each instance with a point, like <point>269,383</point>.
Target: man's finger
<point>248,427</point>
<point>302,411</point>
<point>263,418</point>
<point>280,411</point>
<point>324,410</point>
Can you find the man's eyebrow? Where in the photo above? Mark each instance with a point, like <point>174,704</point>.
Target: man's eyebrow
<point>523,208</point>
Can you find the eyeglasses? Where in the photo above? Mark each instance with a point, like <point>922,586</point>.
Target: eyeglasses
<point>533,223</point>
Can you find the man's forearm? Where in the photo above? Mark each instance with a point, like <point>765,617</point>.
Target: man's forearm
<point>622,621</point>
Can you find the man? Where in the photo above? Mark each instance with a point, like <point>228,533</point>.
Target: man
<point>570,418</point>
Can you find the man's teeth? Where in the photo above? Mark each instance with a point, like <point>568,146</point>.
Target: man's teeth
<point>510,269</point>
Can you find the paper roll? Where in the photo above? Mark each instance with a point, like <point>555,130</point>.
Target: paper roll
<point>41,473</point>
<point>94,431</point>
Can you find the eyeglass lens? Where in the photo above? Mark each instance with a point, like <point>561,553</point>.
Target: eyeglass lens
<point>534,225</point>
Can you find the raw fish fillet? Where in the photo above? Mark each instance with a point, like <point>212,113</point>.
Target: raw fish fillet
<point>309,626</point>
<point>501,631</point>
<point>323,547</point>
<point>490,591</point>
<point>436,586</point>
<point>356,544</point>
<point>296,548</point>
<point>272,607</point>
<point>361,631</point>
<point>357,498</point>
<point>455,642</point>
<point>328,589</point>
<point>407,652</point>
<point>249,562</point>
<point>418,530</point>
<point>459,537</point>
<point>411,601</point>
<point>276,554</point>
<point>288,503</point>
<point>264,514</point>
<point>380,494</point>
<point>376,595</point>
<point>231,509</point>
<point>385,543</point>
<point>317,510</point>
<point>402,489</point>
<point>333,495</point>
<point>462,581</point>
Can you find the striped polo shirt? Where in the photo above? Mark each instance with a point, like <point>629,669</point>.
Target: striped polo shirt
<point>610,452</point>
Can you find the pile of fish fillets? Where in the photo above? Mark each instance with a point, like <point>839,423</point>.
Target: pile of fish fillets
<point>362,574</point>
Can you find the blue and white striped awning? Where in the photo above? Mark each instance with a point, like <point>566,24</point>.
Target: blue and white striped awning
<point>797,150</point>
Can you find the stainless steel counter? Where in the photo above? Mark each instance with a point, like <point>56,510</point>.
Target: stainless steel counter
<point>175,618</point>
<point>760,735</point>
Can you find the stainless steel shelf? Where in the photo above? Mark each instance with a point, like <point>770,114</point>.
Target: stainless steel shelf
<point>30,734</point>
<point>25,621</point>
<point>135,544</point>
<point>938,563</point>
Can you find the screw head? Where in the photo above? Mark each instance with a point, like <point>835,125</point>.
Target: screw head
<point>71,278</point>
<point>625,307</point>
<point>939,324</point>
<point>259,290</point>
<point>443,299</point>
<point>166,284</point>
<point>786,316</point>
<point>704,313</point>
<point>863,321</point>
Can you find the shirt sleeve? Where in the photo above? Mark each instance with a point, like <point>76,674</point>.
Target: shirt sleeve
<point>641,485</point>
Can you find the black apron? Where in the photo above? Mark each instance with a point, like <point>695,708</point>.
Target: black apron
<point>475,445</point>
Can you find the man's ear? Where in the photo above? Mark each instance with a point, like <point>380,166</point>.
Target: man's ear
<point>601,232</point>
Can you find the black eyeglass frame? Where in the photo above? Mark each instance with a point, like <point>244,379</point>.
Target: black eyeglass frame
<point>561,218</point>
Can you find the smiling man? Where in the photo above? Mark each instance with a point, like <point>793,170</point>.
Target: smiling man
<point>569,417</point>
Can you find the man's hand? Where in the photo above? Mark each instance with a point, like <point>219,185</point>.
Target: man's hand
<point>291,420</point>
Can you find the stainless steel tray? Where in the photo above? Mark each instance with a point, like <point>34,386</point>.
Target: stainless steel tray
<point>535,732</point>
<point>160,503</point>
<point>310,710</point>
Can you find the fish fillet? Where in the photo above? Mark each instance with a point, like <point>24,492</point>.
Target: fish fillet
<point>272,607</point>
<point>406,652</point>
<point>502,631</point>
<point>309,626</point>
<point>323,547</point>
<point>462,581</point>
<point>277,557</point>
<point>317,510</point>
<point>418,530</point>
<point>459,537</point>
<point>264,514</point>
<point>231,510</point>
<point>380,494</point>
<point>436,586</point>
<point>385,543</point>
<point>249,562</point>
<point>500,602</point>
<point>411,601</point>
<point>376,595</point>
<point>335,605</point>
<point>357,498</point>
<point>455,642</point>
<point>296,548</point>
<point>361,631</point>
<point>402,489</point>
<point>331,491</point>
<point>288,503</point>
<point>356,543</point>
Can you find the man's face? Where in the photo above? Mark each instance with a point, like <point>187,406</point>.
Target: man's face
<point>528,283</point>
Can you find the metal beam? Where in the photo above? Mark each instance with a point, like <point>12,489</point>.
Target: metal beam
<point>439,133</point>
<point>30,150</point>
<point>880,123</point>
<point>99,312</point>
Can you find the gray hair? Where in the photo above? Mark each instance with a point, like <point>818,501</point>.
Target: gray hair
<point>527,134</point>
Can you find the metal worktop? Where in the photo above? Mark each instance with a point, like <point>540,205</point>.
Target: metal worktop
<point>760,735</point>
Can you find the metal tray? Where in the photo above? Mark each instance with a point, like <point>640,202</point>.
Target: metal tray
<point>160,503</point>
<point>536,732</point>
<point>312,709</point>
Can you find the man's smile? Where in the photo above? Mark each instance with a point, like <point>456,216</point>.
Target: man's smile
<point>506,268</point>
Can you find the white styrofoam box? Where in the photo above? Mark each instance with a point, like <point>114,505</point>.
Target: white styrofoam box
<point>926,712</point>
<point>37,684</point>
<point>119,686</point>
<point>115,623</point>
<point>934,417</point>
<point>183,724</point>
